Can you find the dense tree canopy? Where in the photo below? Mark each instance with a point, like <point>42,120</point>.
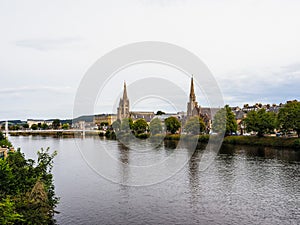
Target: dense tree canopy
<point>289,117</point>
<point>224,120</point>
<point>260,121</point>
<point>116,125</point>
<point>126,124</point>
<point>34,126</point>
<point>26,189</point>
<point>140,126</point>
<point>172,124</point>
<point>195,125</point>
<point>65,126</point>
<point>56,124</point>
<point>155,126</point>
<point>44,126</point>
<point>159,112</point>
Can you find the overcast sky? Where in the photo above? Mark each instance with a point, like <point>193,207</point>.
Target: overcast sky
<point>252,47</point>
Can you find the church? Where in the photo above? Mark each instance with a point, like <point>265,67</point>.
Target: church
<point>193,109</point>
<point>123,109</point>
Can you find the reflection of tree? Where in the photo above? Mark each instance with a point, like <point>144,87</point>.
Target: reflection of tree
<point>170,144</point>
<point>123,153</point>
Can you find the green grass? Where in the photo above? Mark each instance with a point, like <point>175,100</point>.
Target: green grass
<point>279,142</point>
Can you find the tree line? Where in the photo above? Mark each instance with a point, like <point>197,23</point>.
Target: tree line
<point>261,121</point>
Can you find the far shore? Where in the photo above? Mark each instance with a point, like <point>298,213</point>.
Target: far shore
<point>277,142</point>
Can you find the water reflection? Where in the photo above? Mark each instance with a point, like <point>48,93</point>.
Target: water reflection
<point>261,152</point>
<point>124,152</point>
<point>193,175</point>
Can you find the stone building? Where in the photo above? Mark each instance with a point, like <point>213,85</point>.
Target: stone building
<point>105,118</point>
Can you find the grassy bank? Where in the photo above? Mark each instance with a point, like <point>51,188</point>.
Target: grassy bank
<point>278,142</point>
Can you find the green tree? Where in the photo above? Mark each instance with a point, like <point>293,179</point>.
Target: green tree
<point>32,198</point>
<point>34,126</point>
<point>195,125</point>
<point>159,112</point>
<point>2,137</point>
<point>224,120</point>
<point>8,213</point>
<point>126,124</point>
<point>155,126</point>
<point>44,126</point>
<point>289,117</point>
<point>56,124</point>
<point>172,124</point>
<point>65,126</point>
<point>116,125</point>
<point>140,126</point>
<point>25,126</point>
<point>3,141</point>
<point>260,121</point>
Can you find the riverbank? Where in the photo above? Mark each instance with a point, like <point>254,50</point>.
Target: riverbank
<point>277,142</point>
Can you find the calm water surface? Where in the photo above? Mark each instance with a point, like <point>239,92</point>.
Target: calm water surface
<point>243,185</point>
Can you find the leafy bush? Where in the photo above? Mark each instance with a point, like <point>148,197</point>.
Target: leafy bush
<point>26,189</point>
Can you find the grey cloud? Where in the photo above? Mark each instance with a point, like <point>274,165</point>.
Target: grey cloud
<point>47,44</point>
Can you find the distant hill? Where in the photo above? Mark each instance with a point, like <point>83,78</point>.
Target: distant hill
<point>87,118</point>
<point>13,122</point>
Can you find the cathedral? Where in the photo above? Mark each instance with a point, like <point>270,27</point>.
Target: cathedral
<point>192,106</point>
<point>193,109</point>
<point>123,109</point>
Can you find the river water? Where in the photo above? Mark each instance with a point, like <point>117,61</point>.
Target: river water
<point>242,185</point>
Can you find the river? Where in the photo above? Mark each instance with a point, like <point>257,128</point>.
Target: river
<point>242,185</point>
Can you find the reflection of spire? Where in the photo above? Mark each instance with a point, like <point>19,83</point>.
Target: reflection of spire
<point>192,92</point>
<point>125,93</point>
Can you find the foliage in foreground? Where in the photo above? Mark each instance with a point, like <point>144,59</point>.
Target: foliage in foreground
<point>26,189</point>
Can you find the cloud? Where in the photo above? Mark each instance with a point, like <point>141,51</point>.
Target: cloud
<point>27,89</point>
<point>45,44</point>
<point>274,85</point>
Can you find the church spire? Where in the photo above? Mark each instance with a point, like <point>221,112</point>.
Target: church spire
<point>125,92</point>
<point>123,109</point>
<point>192,92</point>
<point>192,107</point>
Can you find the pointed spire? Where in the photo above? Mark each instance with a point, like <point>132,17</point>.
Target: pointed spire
<point>125,92</point>
<point>192,92</point>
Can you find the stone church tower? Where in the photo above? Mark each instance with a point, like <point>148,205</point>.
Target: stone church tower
<point>123,109</point>
<point>192,107</point>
